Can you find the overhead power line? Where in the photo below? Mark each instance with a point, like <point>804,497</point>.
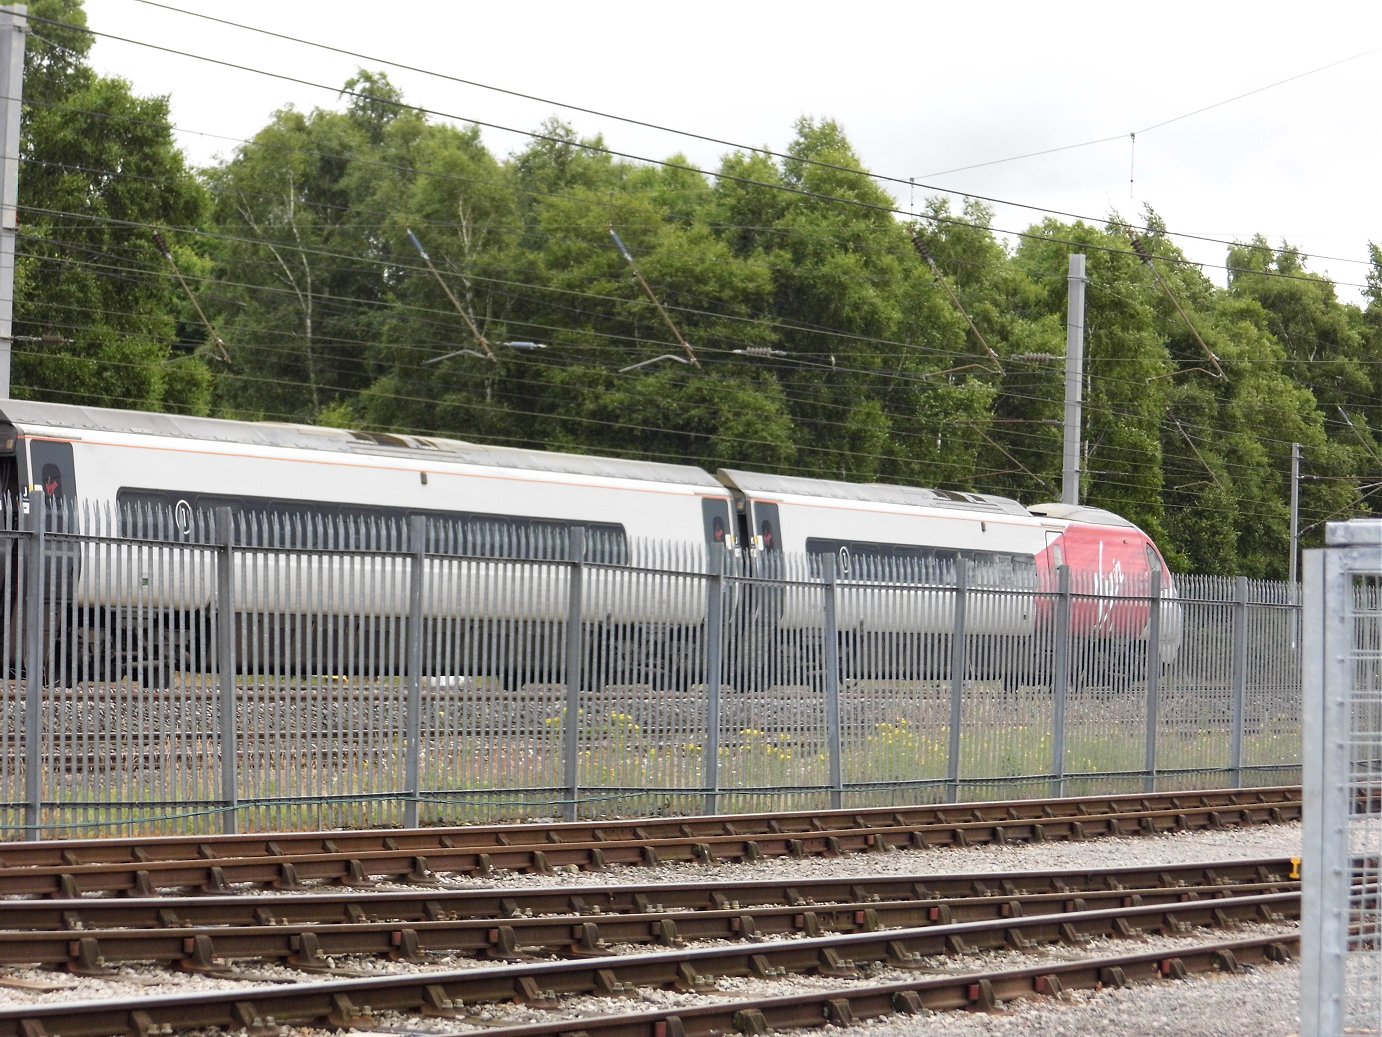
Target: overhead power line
<point>816,163</point>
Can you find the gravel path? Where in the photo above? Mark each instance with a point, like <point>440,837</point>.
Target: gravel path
<point>1260,1003</point>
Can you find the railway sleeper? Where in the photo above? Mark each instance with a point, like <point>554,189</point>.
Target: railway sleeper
<point>587,940</point>
<point>144,1026</point>
<point>833,966</point>
<point>899,957</point>
<point>839,1012</point>
<point>215,880</point>
<point>761,967</point>
<point>1049,985</point>
<point>1113,976</point>
<point>1173,968</point>
<point>665,933</point>
<point>1122,927</point>
<point>1225,961</point>
<point>436,1005</point>
<point>247,1016</point>
<point>346,1016</point>
<point>607,984</point>
<point>527,992</point>
<point>307,954</point>
<point>199,956</point>
<point>981,996</point>
<point>86,958</point>
<point>750,1022</point>
<point>406,946</point>
<point>690,981</point>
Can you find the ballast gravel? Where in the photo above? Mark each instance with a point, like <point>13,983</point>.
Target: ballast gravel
<point>1260,1002</point>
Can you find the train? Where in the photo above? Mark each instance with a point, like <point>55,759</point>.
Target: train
<point>167,477</point>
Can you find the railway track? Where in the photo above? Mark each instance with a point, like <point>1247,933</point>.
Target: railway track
<point>428,958</point>
<point>214,864</point>
<point>195,934</point>
<point>354,1002</point>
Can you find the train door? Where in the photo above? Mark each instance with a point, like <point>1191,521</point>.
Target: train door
<point>50,470</point>
<point>1055,557</point>
<point>718,525</point>
<point>9,474</point>
<point>767,534</point>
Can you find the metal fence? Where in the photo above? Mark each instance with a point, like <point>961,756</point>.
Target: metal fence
<point>1341,921</point>
<point>205,672</point>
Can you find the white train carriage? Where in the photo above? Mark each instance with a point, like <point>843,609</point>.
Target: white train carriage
<point>899,540</point>
<point>166,477</point>
<point>170,475</point>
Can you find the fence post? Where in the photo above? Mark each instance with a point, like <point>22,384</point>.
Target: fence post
<point>1153,669</point>
<point>957,681</point>
<point>1239,686</point>
<point>417,570</point>
<point>830,664</point>
<point>33,665</point>
<point>1060,678</point>
<point>716,560</point>
<point>570,730</point>
<point>226,664</point>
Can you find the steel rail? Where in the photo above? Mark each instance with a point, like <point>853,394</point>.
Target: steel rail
<point>1232,805</point>
<point>350,1002</point>
<point>328,907</point>
<point>982,991</point>
<point>404,864</point>
<point>312,945</point>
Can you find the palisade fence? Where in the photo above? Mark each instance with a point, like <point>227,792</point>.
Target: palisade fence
<point>196,671</point>
<point>1341,909</point>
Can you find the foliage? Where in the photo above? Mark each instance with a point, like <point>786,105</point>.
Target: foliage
<point>775,313</point>
<point>100,176</point>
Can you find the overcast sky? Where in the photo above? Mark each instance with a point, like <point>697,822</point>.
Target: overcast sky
<point>923,90</point>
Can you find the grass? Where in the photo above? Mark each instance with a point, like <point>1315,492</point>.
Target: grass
<point>895,747</point>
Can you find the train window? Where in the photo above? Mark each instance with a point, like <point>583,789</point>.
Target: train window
<point>51,469</point>
<point>766,530</point>
<point>922,564</point>
<point>262,522</point>
<point>1153,566</point>
<point>715,516</point>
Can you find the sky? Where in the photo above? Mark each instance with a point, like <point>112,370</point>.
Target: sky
<point>1248,118</point>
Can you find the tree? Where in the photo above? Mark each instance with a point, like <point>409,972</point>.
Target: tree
<point>100,176</point>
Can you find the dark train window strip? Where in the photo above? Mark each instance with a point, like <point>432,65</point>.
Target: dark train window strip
<point>271,522</point>
<point>922,564</point>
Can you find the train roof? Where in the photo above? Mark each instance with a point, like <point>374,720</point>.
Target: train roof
<point>28,415</point>
<point>752,483</point>
<point>1081,513</point>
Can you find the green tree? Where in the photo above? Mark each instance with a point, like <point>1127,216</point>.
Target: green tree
<point>100,175</point>
<point>303,210</point>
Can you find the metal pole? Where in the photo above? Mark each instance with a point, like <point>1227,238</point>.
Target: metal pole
<point>1293,565</point>
<point>957,682</point>
<point>1239,679</point>
<point>417,544</point>
<point>831,666</point>
<point>33,666</point>
<point>1060,679</point>
<point>714,660</point>
<point>225,662</point>
<point>1074,380</point>
<point>14,26</point>
<point>1153,679</point>
<point>570,732</point>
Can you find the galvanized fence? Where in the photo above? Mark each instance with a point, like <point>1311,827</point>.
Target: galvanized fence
<point>1341,919</point>
<point>207,672</point>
